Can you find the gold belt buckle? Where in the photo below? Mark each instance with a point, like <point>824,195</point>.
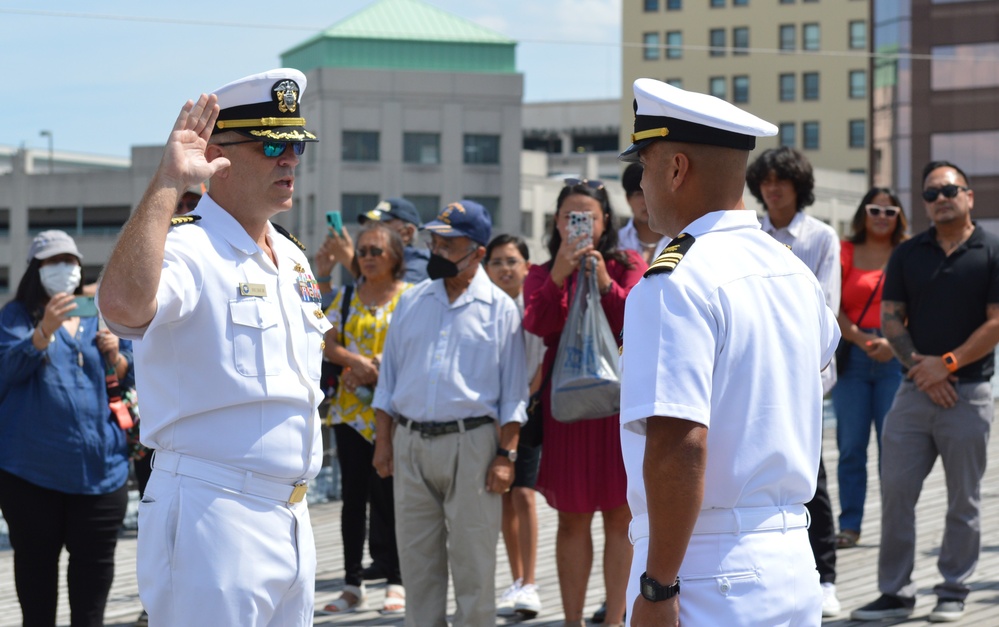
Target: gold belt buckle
<point>298,494</point>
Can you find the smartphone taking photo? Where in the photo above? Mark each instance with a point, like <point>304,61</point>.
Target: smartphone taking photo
<point>580,223</point>
<point>85,307</point>
<point>335,221</point>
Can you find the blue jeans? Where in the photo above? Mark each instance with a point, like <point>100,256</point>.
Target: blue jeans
<point>863,394</point>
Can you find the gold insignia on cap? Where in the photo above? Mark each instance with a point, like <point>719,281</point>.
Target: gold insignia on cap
<point>445,215</point>
<point>188,219</point>
<point>652,132</point>
<point>286,94</point>
<point>671,255</point>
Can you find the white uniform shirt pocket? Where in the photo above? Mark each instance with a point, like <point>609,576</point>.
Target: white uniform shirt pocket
<point>256,336</point>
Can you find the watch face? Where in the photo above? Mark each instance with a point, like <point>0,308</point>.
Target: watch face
<point>512,455</point>
<point>648,590</point>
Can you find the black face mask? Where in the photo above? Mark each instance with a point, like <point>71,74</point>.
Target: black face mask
<point>443,268</point>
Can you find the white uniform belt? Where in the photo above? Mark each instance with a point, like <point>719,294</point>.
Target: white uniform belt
<point>734,521</point>
<point>241,481</point>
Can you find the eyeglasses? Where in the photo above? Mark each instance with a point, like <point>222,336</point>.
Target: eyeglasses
<point>271,149</point>
<point>877,210</point>
<point>374,251</point>
<point>949,191</point>
<point>509,262</point>
<point>594,184</point>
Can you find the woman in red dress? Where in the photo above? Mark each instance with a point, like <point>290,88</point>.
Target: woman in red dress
<point>582,471</point>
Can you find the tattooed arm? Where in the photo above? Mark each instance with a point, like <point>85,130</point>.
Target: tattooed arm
<point>893,327</point>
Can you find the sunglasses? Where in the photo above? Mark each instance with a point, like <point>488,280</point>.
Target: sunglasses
<point>594,184</point>
<point>271,149</point>
<point>187,205</point>
<point>877,210</point>
<point>374,251</point>
<point>949,191</point>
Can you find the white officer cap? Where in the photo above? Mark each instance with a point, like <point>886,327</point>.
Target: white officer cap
<point>664,112</point>
<point>265,106</point>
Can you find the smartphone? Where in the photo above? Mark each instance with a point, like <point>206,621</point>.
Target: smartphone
<point>85,307</point>
<point>580,223</point>
<point>335,220</point>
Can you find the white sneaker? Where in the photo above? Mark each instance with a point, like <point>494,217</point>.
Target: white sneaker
<point>528,603</point>
<point>508,600</point>
<point>830,604</point>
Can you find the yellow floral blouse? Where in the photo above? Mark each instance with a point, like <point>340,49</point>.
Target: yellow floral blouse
<point>364,334</point>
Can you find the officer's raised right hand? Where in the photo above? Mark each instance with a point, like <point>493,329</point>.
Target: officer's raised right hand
<point>184,161</point>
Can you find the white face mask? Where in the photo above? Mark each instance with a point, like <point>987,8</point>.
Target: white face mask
<point>60,277</point>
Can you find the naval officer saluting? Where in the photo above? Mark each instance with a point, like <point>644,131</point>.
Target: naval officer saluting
<point>228,333</point>
<point>721,397</point>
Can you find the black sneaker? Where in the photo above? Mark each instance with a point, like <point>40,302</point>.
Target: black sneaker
<point>947,611</point>
<point>886,606</point>
<point>600,615</point>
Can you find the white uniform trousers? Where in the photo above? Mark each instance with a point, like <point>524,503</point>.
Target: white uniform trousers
<point>749,579</point>
<point>211,556</point>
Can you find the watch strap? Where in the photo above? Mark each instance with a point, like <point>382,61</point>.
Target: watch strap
<point>654,591</point>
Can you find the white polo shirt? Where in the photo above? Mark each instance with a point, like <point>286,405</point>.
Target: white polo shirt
<point>733,338</point>
<point>228,369</point>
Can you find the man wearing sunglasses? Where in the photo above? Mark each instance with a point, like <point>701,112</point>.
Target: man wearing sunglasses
<point>224,313</point>
<point>940,313</point>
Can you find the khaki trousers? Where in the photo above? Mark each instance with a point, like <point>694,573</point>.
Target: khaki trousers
<point>444,515</point>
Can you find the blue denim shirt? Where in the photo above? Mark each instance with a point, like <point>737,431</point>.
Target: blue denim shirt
<point>56,430</point>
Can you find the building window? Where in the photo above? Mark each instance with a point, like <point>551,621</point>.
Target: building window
<point>674,44</point>
<point>810,36</point>
<point>787,88</point>
<point>650,48</point>
<point>740,3</point>
<point>716,87</point>
<point>787,134</point>
<point>651,6</point>
<point>360,146</point>
<point>740,89</point>
<point>858,35</point>
<point>788,37</point>
<point>976,68</point>
<point>717,4</point>
<point>717,38</point>
<point>482,148</point>
<point>675,82</point>
<point>353,205</point>
<point>858,84</point>
<point>421,148</point>
<point>811,132</point>
<point>786,1</point>
<point>740,40</point>
<point>858,133</point>
<point>810,86</point>
<point>428,206</point>
<point>674,5</point>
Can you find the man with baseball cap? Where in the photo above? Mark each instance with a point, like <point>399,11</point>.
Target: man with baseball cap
<point>721,398</point>
<point>226,537</point>
<point>453,368</point>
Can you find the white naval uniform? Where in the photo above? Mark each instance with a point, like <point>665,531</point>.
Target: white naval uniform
<point>734,339</point>
<point>228,372</point>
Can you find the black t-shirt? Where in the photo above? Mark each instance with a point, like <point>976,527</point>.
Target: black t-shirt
<point>946,297</point>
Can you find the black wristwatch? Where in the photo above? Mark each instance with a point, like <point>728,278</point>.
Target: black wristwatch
<point>654,591</point>
<point>511,455</point>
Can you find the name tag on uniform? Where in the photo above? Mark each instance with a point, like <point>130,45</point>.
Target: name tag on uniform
<point>252,289</point>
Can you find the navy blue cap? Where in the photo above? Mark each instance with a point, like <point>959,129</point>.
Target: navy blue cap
<point>465,218</point>
<point>390,208</point>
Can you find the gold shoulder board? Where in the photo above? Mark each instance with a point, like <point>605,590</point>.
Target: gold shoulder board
<point>188,219</point>
<point>283,231</point>
<point>671,255</point>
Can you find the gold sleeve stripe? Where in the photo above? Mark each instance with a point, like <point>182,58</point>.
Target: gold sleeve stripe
<point>261,122</point>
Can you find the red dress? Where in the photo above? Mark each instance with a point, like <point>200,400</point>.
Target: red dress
<point>581,466</point>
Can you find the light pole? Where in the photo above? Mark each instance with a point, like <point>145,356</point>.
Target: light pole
<point>49,135</point>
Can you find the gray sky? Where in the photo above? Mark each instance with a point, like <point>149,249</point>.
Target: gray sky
<point>106,74</point>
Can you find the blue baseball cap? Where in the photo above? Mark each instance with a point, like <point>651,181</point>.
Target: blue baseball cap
<point>398,208</point>
<point>465,218</point>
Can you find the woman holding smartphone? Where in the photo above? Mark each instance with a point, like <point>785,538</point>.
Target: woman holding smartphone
<point>582,471</point>
<point>63,456</point>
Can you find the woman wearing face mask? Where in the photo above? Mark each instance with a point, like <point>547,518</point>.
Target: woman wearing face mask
<point>63,457</point>
<point>582,471</point>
